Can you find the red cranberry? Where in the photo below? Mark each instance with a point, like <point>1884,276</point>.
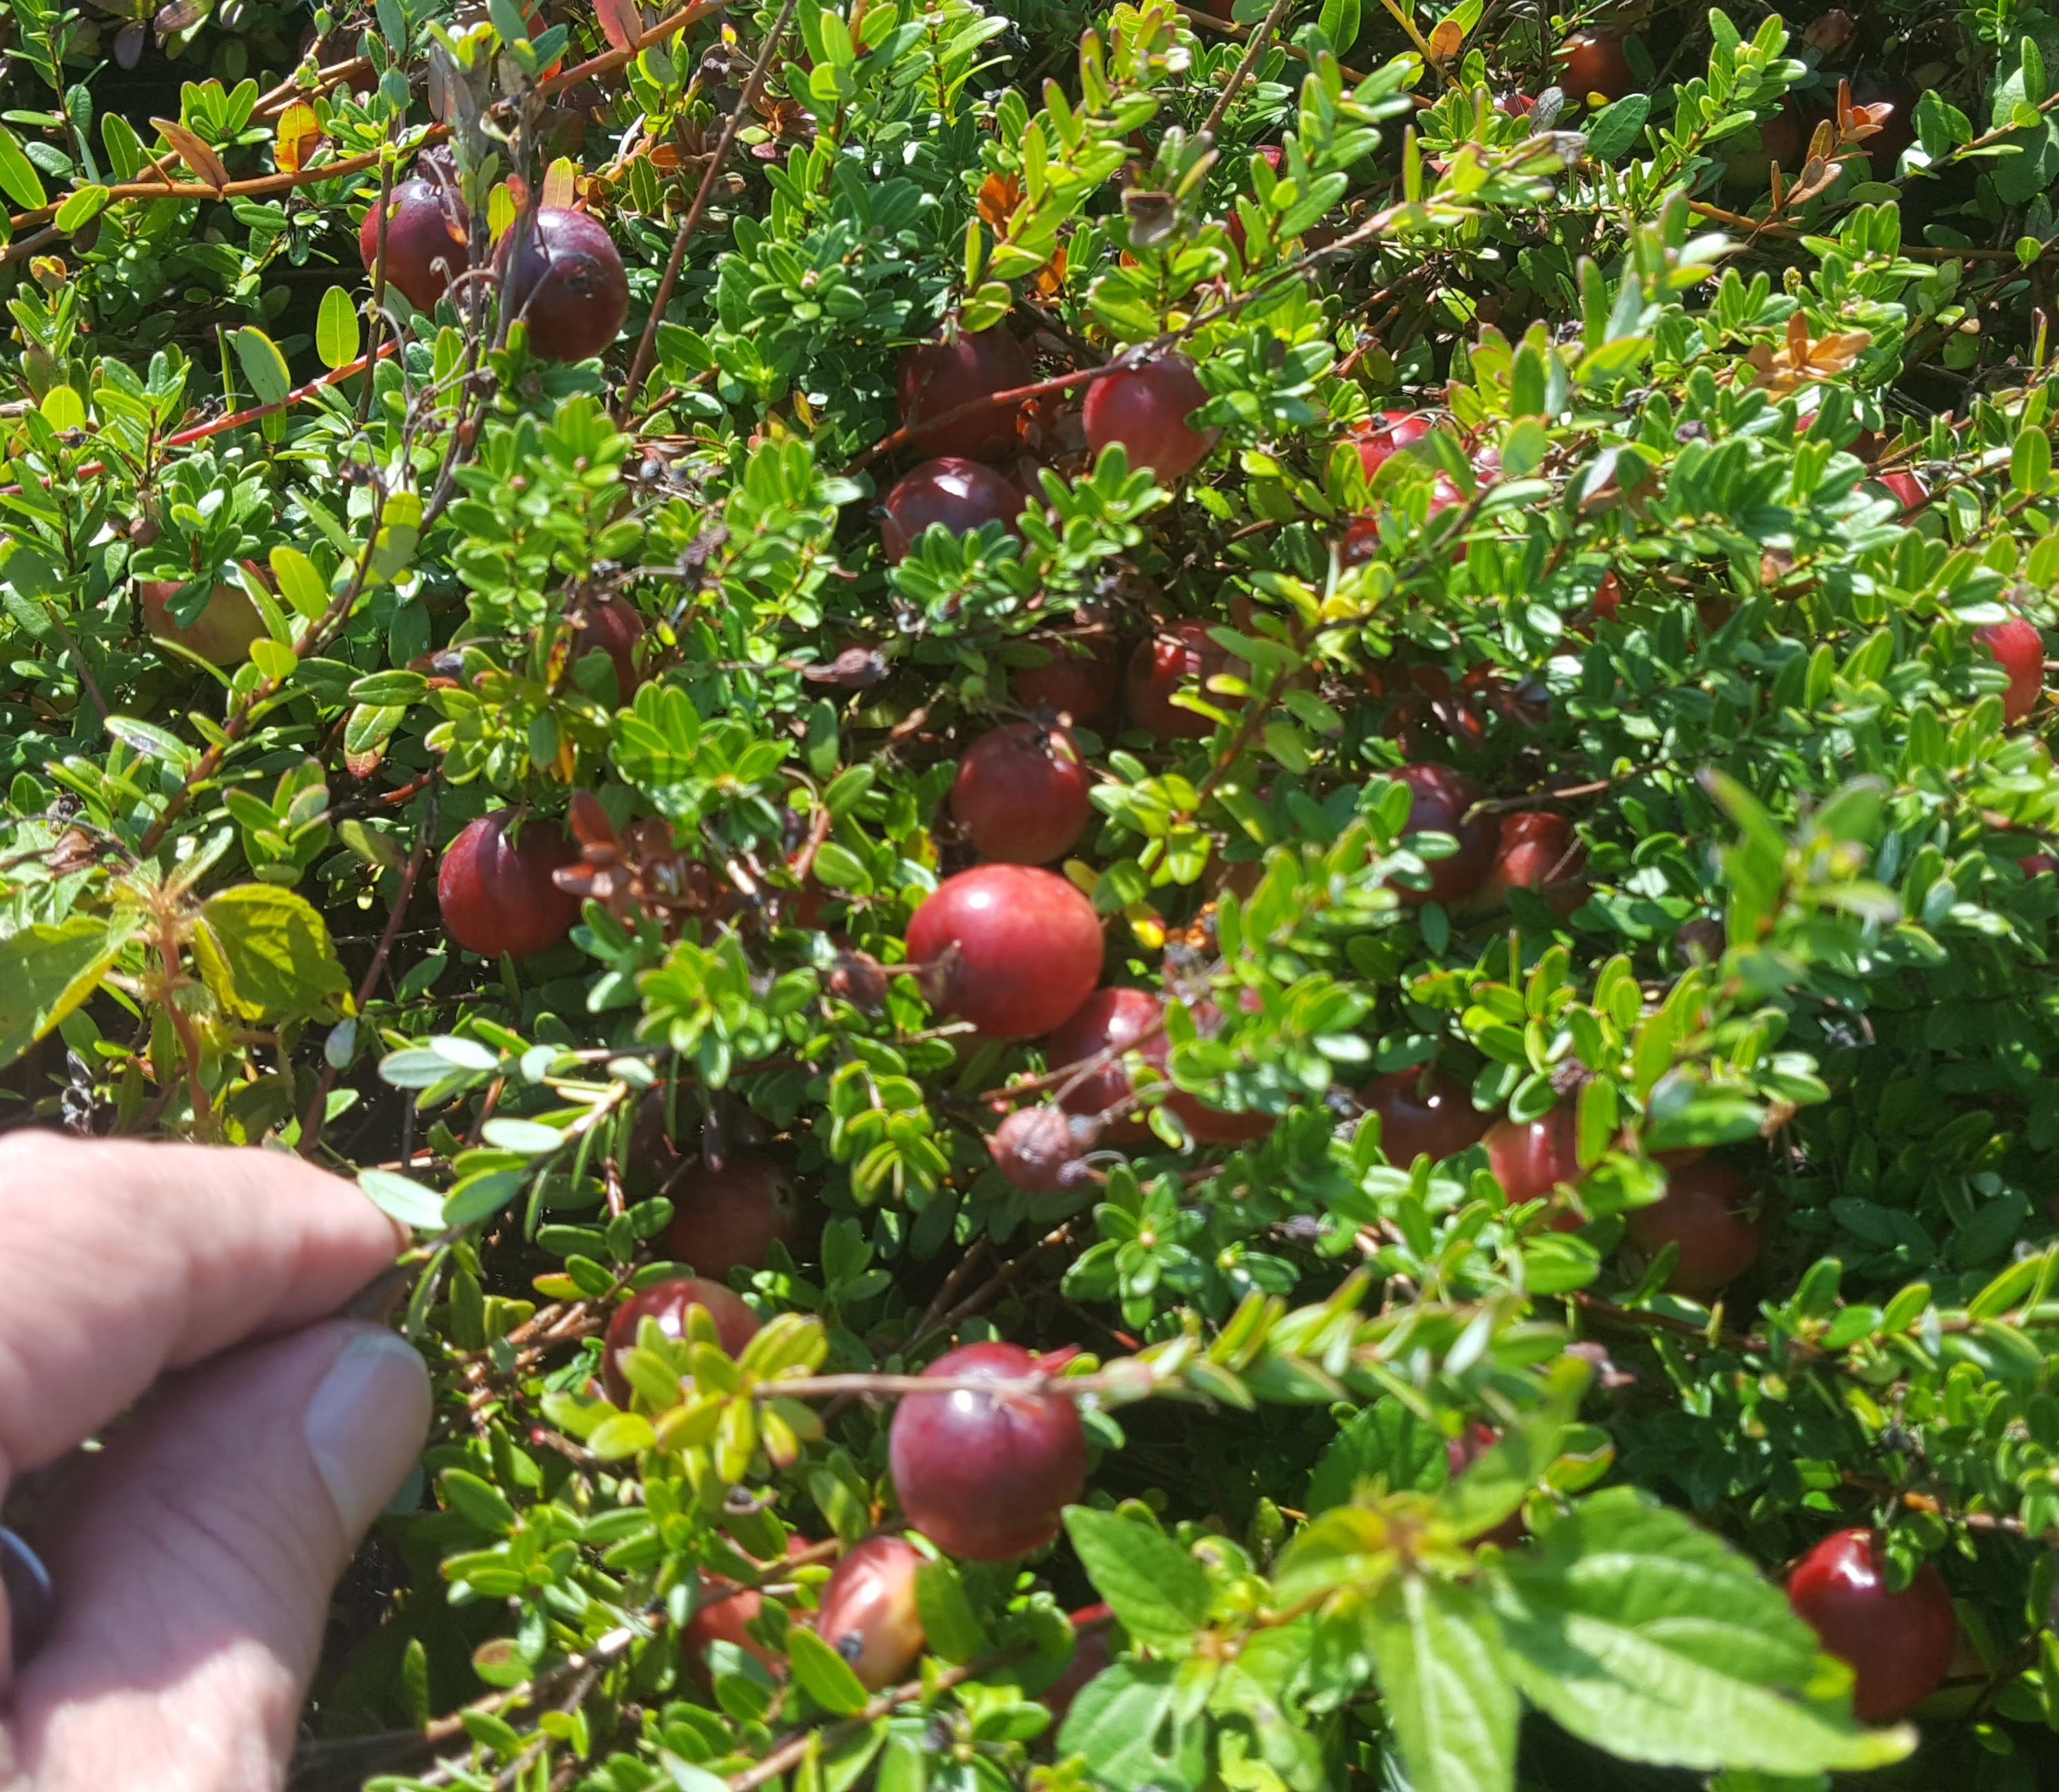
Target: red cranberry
<point>723,1616</point>
<point>1530,1158</point>
<point>1537,851</point>
<point>1378,440</point>
<point>2019,650</point>
<point>936,378</point>
<point>1907,487</point>
<point>2036,865</point>
<point>1021,794</point>
<point>495,890</point>
<point>1594,63</point>
<point>868,1612</point>
<point>1898,1645</point>
<point>1037,1148</point>
<point>1078,685</point>
<point>1460,1453</point>
<point>1781,139</point>
<point>1422,1111</point>
<point>427,241</point>
<point>962,495</point>
<point>614,628</point>
<point>986,1475</point>
<point>729,1218</point>
<point>1274,155</point>
<point>1145,409</point>
<point>1014,950</point>
<point>1441,798</point>
<point>1090,1656</point>
<point>1607,604</point>
<point>1871,87</point>
<point>1166,662</point>
<point>568,285</point>
<point>223,634</point>
<point>669,1303</point>
<point>1114,1018</point>
<point>1704,1212</point>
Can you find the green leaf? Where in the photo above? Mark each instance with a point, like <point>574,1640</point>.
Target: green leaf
<point>265,952</point>
<point>1651,1636</point>
<point>401,1198</point>
<point>1615,127</point>
<point>1386,1445</point>
<point>19,178</point>
<point>949,1623</point>
<point>80,209</point>
<point>46,972</point>
<point>525,1136</point>
<point>299,583</point>
<point>337,329</point>
<point>1445,1686</point>
<point>1157,1591</point>
<point>263,365</point>
<point>1129,1722</point>
<point>478,1502</point>
<point>824,1675</point>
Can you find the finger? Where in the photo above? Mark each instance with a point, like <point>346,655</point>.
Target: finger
<point>194,1579</point>
<point>124,1259</point>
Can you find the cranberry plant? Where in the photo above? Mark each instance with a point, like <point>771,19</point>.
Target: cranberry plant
<point>1193,870</point>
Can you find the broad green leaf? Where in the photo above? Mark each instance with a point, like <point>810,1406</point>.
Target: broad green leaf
<point>1445,1686</point>
<point>1386,1445</point>
<point>45,972</point>
<point>949,1625</point>
<point>299,583</point>
<point>401,1198</point>
<point>265,951</point>
<point>19,178</point>
<point>81,207</point>
<point>1651,1638</point>
<point>1350,1547</point>
<point>337,329</point>
<point>263,365</point>
<point>1158,1592</point>
<point>826,1675</point>
<point>1126,1721</point>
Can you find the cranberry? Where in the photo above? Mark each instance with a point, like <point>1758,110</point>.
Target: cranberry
<point>1076,684</point>
<point>1423,1112</point>
<point>496,891</point>
<point>868,1613</point>
<point>1114,1018</point>
<point>427,241</point>
<point>1594,63</point>
<point>2036,865</point>
<point>1530,1159</point>
<point>1515,106</point>
<point>1021,794</point>
<point>729,1218</point>
<point>1090,1656</point>
<point>222,634</point>
<point>614,628</point>
<point>1014,950</point>
<point>1907,487</point>
<point>936,378</point>
<point>1380,440</point>
<point>1704,1212</point>
<point>1163,663</point>
<point>1538,850</point>
<point>1274,155</point>
<point>569,285</point>
<point>1037,1148</point>
<point>1145,409</point>
<point>668,1303</point>
<point>2019,650</point>
<point>1607,604</point>
<point>1441,798</point>
<point>1898,1645</point>
<point>723,1614</point>
<point>961,495</point>
<point>1781,139</point>
<point>986,1475</point>
<point>1871,87</point>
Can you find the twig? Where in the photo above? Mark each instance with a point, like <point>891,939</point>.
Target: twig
<point>1252,50</point>
<point>312,1125</point>
<point>731,127</point>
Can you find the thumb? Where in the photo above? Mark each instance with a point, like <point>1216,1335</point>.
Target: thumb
<point>194,1573</point>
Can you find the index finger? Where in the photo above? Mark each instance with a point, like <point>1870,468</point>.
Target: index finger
<point>119,1260</point>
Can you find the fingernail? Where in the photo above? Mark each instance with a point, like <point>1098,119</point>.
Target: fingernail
<point>366,1422</point>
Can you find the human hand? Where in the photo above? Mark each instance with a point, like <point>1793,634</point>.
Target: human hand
<point>195,1557</point>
